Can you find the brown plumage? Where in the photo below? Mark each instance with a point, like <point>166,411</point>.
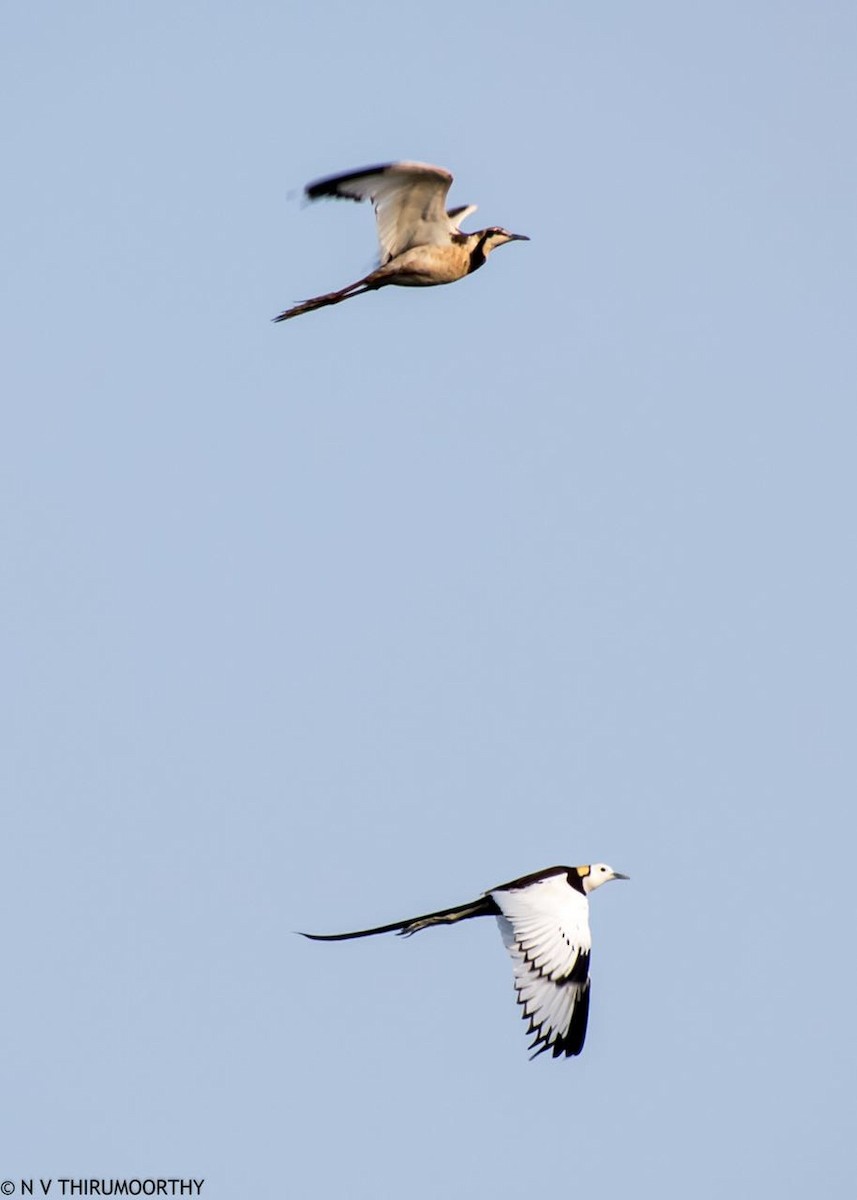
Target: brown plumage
<point>421,242</point>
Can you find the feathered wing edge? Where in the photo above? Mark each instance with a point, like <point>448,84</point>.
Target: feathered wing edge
<point>349,185</point>
<point>485,906</point>
<point>571,1042</point>
<point>359,184</point>
<point>553,994</point>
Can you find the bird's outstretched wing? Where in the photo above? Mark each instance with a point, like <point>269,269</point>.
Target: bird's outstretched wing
<point>545,926</point>
<point>409,200</point>
<point>457,215</point>
<point>483,907</point>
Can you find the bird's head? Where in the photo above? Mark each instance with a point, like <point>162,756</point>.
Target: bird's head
<point>495,236</point>
<point>594,874</point>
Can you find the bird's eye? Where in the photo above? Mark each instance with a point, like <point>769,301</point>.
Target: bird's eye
<point>603,869</point>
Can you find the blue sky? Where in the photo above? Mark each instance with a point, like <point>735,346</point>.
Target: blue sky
<point>326,624</point>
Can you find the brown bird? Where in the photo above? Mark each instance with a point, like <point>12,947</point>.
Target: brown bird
<point>421,242</point>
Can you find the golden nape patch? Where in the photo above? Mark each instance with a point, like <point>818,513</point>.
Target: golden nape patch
<point>583,871</point>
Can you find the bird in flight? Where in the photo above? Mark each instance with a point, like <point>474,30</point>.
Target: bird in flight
<point>421,241</point>
<point>544,922</point>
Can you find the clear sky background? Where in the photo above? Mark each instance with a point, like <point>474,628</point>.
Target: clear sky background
<point>326,624</point>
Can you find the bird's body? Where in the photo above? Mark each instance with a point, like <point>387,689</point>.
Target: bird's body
<point>421,242</point>
<point>544,922</point>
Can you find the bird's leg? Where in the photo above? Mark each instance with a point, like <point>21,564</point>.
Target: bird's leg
<point>368,284</point>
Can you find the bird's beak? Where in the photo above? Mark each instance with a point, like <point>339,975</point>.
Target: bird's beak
<point>617,875</point>
<point>518,237</point>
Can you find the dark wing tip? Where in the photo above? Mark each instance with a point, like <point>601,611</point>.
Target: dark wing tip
<point>337,185</point>
<point>569,1043</point>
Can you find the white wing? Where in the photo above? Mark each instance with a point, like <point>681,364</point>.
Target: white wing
<point>409,200</point>
<point>457,215</point>
<point>545,927</point>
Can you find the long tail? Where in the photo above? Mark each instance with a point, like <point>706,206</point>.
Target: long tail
<point>353,289</point>
<point>483,907</point>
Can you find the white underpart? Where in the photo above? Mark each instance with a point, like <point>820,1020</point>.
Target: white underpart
<point>545,926</point>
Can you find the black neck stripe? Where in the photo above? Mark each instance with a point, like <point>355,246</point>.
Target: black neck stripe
<point>477,254</point>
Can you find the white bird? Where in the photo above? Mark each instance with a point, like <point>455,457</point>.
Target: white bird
<point>421,243</point>
<point>544,922</point>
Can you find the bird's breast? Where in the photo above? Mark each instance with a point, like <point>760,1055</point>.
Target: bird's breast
<point>428,266</point>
